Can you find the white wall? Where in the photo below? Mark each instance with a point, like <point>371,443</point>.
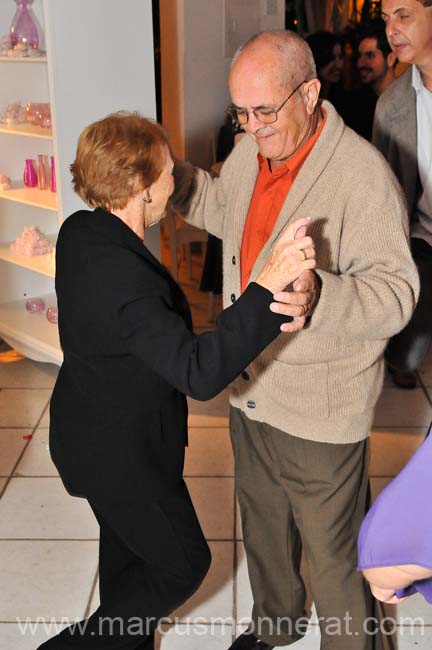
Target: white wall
<point>195,66</point>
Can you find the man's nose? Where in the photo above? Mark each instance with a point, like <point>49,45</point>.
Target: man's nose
<point>391,28</point>
<point>254,122</point>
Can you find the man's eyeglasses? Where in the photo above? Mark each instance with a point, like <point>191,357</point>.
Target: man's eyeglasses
<point>266,114</point>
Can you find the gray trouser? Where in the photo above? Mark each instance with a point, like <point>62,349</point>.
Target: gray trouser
<point>293,493</point>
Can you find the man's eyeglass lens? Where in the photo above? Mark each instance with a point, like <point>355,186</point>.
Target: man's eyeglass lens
<point>268,115</point>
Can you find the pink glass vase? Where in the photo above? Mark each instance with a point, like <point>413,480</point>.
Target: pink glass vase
<point>30,176</point>
<point>53,182</point>
<point>42,174</point>
<point>23,28</point>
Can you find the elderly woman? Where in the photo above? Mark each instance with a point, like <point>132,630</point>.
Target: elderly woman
<point>118,412</point>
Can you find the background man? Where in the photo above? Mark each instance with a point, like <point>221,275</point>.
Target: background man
<point>301,412</point>
<point>375,64</point>
<point>403,133</point>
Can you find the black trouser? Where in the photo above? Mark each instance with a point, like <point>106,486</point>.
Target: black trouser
<point>407,350</point>
<point>148,566</point>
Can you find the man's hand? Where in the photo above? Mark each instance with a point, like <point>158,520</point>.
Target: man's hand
<point>299,303</point>
<point>386,595</point>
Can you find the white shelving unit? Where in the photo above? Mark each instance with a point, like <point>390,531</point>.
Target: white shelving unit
<point>99,59</point>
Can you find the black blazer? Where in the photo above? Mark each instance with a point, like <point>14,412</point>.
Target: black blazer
<point>118,412</point>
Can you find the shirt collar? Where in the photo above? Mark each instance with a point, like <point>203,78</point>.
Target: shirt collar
<point>417,81</point>
<point>293,165</point>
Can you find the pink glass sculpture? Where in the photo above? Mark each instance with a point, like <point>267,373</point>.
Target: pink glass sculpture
<point>35,305</point>
<point>42,174</point>
<point>38,113</point>
<point>30,176</point>
<point>53,182</point>
<point>23,29</point>
<point>52,315</point>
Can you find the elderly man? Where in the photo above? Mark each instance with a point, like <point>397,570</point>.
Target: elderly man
<point>403,133</point>
<point>375,63</point>
<point>301,412</point>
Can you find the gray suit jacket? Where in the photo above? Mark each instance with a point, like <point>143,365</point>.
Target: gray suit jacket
<point>395,134</point>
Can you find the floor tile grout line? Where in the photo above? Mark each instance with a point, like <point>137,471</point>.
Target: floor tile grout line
<point>27,388</point>
<point>49,539</point>
<point>29,426</point>
<point>24,449</point>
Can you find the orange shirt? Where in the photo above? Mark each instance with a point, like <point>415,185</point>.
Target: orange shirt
<point>271,190</point>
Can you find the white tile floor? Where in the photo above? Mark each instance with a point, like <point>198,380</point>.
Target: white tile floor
<point>48,540</point>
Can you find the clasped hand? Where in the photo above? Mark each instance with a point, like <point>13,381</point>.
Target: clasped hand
<point>300,302</point>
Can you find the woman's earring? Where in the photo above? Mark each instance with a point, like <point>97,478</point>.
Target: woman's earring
<point>147,198</point>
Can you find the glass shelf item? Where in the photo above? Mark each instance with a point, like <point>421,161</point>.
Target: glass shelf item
<point>23,31</point>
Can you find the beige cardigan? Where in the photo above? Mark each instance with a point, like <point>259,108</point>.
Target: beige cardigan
<point>322,383</point>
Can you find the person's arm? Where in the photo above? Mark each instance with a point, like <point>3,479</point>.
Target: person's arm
<point>374,292</point>
<point>198,197</point>
<point>385,581</point>
<point>201,366</point>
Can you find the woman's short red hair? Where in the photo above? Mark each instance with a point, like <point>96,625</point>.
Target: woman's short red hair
<point>116,157</point>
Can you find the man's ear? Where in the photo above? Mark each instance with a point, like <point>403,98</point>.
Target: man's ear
<point>312,95</point>
<point>391,59</point>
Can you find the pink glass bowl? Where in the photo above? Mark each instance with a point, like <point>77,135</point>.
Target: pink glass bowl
<point>35,305</point>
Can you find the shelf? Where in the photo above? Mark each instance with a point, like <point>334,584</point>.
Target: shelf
<point>31,334</point>
<point>44,264</point>
<point>31,196</point>
<point>26,129</point>
<point>23,59</point>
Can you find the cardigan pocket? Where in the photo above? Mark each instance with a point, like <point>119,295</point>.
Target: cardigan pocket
<point>302,389</point>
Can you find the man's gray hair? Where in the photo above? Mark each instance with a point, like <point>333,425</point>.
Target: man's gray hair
<point>296,59</point>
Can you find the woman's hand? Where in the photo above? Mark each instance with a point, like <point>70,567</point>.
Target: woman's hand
<point>293,253</point>
<point>386,595</point>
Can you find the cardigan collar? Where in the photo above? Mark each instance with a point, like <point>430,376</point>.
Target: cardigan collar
<point>310,172</point>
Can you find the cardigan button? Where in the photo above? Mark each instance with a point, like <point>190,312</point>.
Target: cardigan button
<point>245,375</point>
<point>233,259</point>
<point>233,297</point>
<point>251,404</point>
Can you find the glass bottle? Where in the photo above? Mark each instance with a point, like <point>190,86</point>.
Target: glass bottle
<point>42,174</point>
<point>30,176</point>
<point>23,28</point>
<point>53,183</point>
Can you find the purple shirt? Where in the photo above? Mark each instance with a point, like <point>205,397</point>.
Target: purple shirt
<point>398,528</point>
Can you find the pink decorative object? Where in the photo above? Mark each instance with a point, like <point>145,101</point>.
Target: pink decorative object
<point>30,176</point>
<point>5,183</point>
<point>23,31</point>
<point>53,183</point>
<point>32,242</point>
<point>38,113</point>
<point>52,315</point>
<point>42,173</point>
<point>35,305</point>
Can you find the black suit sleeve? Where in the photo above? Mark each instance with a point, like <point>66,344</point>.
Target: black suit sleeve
<point>200,365</point>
